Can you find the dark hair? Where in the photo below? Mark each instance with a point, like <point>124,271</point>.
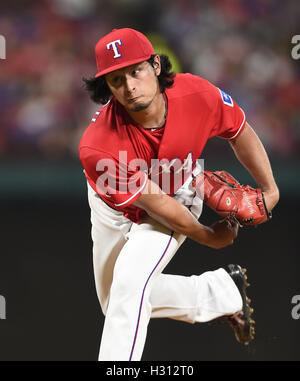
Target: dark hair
<point>100,92</point>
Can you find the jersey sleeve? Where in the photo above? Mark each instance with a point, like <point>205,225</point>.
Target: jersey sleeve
<point>113,180</point>
<point>230,118</point>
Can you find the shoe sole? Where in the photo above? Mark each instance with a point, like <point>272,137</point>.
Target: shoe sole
<point>245,334</point>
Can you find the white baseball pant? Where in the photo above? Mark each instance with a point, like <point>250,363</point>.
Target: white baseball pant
<point>128,261</point>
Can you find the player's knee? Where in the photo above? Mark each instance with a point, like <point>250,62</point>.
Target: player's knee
<point>125,286</point>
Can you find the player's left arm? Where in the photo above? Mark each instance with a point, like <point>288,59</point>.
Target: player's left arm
<point>250,151</point>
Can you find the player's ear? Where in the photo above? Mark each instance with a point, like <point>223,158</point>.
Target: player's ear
<point>157,65</point>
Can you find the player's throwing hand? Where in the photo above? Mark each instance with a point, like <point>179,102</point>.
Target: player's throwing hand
<point>223,233</point>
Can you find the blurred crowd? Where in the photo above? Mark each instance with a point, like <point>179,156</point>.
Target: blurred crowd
<point>242,46</point>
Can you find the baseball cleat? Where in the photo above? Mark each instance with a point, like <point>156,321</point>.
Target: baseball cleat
<point>241,322</point>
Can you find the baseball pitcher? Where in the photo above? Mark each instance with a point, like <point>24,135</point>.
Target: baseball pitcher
<point>146,188</point>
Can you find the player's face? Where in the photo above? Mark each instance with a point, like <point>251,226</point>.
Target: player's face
<point>135,86</point>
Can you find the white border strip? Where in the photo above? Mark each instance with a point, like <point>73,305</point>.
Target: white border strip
<point>240,126</point>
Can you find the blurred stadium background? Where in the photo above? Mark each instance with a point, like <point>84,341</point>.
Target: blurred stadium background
<point>243,47</point>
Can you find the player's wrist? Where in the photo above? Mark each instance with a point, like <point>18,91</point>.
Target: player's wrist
<point>206,235</point>
<point>271,198</point>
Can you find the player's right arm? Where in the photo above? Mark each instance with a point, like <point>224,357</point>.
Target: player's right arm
<point>170,213</point>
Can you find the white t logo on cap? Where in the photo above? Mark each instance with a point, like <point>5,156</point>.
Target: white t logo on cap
<point>113,44</point>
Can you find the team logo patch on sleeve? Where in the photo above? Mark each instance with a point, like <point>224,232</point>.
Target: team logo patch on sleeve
<point>226,98</point>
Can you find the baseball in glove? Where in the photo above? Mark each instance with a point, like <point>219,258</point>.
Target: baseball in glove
<point>228,198</point>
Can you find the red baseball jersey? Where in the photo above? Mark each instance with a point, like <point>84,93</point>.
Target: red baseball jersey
<point>118,155</point>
